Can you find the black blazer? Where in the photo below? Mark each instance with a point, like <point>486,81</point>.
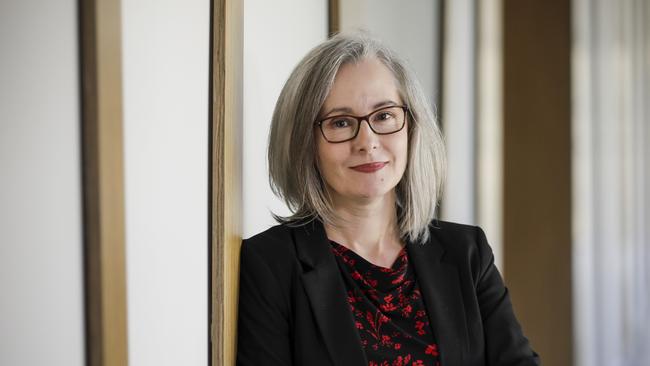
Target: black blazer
<point>293,308</point>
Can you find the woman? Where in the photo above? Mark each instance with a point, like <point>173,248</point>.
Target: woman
<point>362,273</point>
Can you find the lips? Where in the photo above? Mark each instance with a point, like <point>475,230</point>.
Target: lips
<point>370,167</point>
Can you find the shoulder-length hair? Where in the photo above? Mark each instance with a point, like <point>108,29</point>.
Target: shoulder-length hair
<point>292,153</point>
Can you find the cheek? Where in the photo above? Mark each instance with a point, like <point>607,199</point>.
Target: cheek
<point>405,152</point>
<point>327,162</point>
<point>400,149</point>
<point>321,154</point>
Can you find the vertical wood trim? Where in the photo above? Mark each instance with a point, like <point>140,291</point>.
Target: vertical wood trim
<point>226,116</point>
<point>103,183</point>
<point>333,13</point>
<point>537,172</point>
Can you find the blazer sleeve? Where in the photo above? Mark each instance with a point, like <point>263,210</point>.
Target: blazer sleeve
<point>506,344</point>
<point>263,325</point>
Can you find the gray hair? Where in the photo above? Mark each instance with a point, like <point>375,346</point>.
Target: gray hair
<point>292,153</point>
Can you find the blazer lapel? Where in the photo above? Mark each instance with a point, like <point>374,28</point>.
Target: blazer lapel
<point>440,287</point>
<point>327,295</point>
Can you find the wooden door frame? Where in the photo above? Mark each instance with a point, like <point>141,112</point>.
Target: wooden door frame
<point>226,111</point>
<point>103,182</point>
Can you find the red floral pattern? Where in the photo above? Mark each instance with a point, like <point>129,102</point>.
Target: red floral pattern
<point>388,310</point>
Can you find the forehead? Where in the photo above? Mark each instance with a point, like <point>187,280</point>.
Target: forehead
<point>358,86</point>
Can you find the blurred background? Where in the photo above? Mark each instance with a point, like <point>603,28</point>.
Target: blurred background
<point>545,107</point>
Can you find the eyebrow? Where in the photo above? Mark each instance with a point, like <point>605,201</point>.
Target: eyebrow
<point>349,110</point>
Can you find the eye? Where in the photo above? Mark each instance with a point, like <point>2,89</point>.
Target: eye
<point>339,123</point>
<point>383,116</point>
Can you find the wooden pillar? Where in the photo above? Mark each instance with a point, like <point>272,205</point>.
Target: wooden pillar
<point>333,17</point>
<point>226,95</point>
<point>103,183</point>
<point>537,172</point>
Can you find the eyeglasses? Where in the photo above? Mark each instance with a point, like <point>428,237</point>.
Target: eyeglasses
<point>383,121</point>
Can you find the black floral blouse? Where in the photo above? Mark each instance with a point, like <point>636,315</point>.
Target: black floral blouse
<point>388,310</point>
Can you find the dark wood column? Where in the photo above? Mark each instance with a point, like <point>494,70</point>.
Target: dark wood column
<point>537,172</point>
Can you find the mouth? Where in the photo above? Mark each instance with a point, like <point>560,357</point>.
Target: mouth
<point>370,167</point>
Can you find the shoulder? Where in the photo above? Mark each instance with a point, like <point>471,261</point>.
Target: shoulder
<point>273,236</point>
<point>456,234</point>
<point>273,248</point>
<point>267,274</point>
<point>460,241</point>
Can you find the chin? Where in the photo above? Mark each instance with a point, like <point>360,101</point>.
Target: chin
<point>374,192</point>
<point>370,189</point>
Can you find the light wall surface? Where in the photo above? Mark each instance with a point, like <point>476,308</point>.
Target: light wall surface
<point>408,27</point>
<point>459,111</point>
<point>166,79</point>
<point>273,44</point>
<point>41,268</point>
<point>611,182</point>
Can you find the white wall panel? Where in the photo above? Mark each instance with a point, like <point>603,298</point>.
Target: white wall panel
<point>408,27</point>
<point>611,135</point>
<point>41,283</point>
<point>277,34</point>
<point>166,79</point>
<point>459,111</point>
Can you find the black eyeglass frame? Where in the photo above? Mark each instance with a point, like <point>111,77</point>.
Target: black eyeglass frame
<point>360,119</point>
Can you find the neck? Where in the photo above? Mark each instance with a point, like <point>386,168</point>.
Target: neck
<point>366,227</point>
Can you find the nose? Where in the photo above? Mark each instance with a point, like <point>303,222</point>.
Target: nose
<point>366,139</point>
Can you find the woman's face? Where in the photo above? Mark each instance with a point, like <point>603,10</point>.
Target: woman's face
<point>358,90</point>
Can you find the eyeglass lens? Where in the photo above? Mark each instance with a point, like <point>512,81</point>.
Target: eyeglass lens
<point>384,121</point>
